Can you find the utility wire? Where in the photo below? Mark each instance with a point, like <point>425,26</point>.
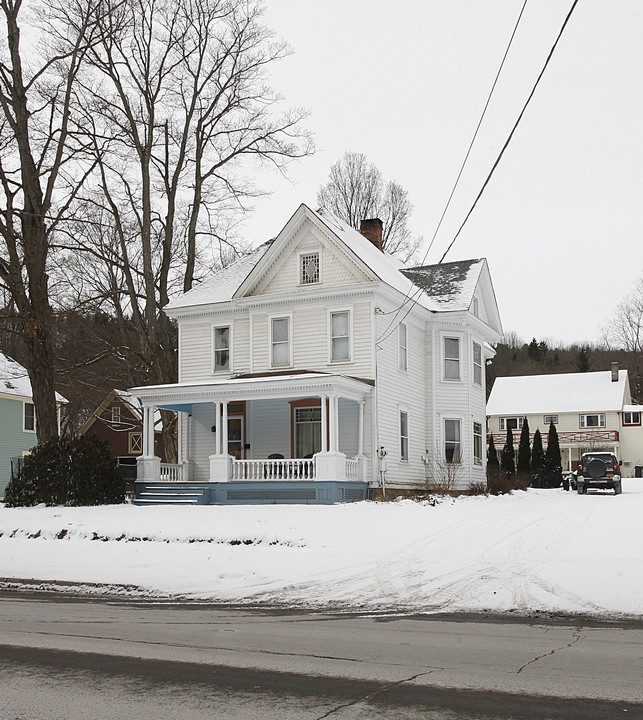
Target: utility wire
<point>410,297</point>
<point>511,134</point>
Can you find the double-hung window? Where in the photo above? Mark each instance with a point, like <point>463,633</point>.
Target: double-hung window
<point>280,340</point>
<point>451,358</point>
<point>404,435</point>
<point>221,349</point>
<point>29,418</point>
<point>477,443</point>
<point>594,420</point>
<point>116,414</point>
<point>340,345</point>
<point>477,363</point>
<point>549,419</point>
<point>403,350</point>
<point>452,440</point>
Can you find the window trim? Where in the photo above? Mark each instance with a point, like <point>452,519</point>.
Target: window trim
<point>547,421</point>
<point>24,417</point>
<point>632,413</point>
<point>458,338</point>
<point>213,329</point>
<point>503,422</point>
<point>337,311</point>
<point>404,439</point>
<point>300,267</point>
<point>582,421</point>
<point>403,348</point>
<point>459,443</point>
<point>477,366</point>
<point>281,316</point>
<point>116,414</point>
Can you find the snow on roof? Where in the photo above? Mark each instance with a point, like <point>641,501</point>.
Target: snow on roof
<point>568,392</point>
<point>14,379</point>
<point>222,285</point>
<point>438,288</point>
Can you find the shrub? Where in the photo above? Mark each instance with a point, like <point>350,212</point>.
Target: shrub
<point>500,482</point>
<point>477,488</point>
<point>67,471</point>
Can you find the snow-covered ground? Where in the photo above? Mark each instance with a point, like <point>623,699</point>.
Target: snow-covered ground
<point>541,550</point>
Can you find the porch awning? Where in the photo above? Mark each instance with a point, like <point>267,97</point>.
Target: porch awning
<point>181,396</point>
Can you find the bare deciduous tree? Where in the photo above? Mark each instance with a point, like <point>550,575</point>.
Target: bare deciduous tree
<point>356,191</point>
<point>43,165</point>
<point>625,330</point>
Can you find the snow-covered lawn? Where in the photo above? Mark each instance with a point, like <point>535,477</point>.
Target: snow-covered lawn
<point>541,550</point>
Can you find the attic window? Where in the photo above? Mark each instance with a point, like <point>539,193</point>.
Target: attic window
<point>310,268</point>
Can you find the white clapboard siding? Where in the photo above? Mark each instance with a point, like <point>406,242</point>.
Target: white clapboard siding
<point>195,348</point>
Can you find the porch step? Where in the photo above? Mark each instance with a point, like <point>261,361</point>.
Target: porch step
<point>173,495</point>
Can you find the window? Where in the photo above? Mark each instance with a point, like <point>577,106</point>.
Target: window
<point>451,358</point>
<point>29,418</point>
<point>592,421</point>
<point>515,423</point>
<point>116,414</point>
<point>135,443</point>
<point>310,268</point>
<point>404,435</point>
<point>307,431</point>
<point>403,356</point>
<point>548,419</point>
<point>280,339</point>
<point>452,442</point>
<point>477,443</point>
<point>340,336</point>
<point>221,349</point>
<point>632,418</point>
<point>477,364</point>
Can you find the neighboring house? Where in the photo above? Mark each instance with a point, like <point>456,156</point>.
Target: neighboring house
<point>591,411</point>
<point>17,417</point>
<point>119,421</point>
<point>317,367</point>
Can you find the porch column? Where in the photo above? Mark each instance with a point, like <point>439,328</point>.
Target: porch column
<point>224,429</point>
<point>333,424</point>
<point>217,427</point>
<point>324,423</point>
<point>360,429</point>
<point>148,430</point>
<point>148,467</point>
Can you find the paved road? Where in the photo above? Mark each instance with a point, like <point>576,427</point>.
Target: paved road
<point>70,658</point>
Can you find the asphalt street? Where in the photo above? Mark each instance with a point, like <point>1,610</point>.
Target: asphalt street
<point>74,658</point>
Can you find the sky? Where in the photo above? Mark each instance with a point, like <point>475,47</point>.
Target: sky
<point>524,553</point>
<point>405,83</point>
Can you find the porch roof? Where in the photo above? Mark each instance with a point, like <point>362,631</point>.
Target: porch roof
<point>181,396</point>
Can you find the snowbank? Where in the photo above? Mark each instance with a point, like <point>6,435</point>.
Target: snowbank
<point>541,550</point>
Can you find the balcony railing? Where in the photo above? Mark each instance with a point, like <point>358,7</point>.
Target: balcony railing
<point>171,472</point>
<point>281,469</point>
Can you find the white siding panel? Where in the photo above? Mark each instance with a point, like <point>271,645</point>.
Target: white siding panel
<point>269,428</point>
<point>202,440</point>
<point>196,352</point>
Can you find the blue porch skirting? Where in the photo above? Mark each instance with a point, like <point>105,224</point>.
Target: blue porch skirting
<point>251,492</point>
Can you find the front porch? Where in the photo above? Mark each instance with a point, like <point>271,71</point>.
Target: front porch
<point>312,423</point>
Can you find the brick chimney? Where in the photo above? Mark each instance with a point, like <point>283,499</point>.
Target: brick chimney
<point>372,230</point>
<point>614,372</point>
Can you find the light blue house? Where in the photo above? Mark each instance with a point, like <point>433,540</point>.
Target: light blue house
<point>17,416</point>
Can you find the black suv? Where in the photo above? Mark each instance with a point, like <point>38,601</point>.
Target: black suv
<point>598,470</point>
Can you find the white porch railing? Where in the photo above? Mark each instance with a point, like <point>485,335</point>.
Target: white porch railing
<point>283,469</point>
<point>352,469</point>
<point>171,472</point>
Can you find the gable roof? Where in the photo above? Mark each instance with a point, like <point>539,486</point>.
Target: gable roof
<point>566,392</point>
<point>438,288</point>
<point>14,379</point>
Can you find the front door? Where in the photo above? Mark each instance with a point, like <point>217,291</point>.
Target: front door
<point>235,437</point>
<point>307,431</point>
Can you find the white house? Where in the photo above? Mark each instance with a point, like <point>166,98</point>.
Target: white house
<point>591,411</point>
<point>318,366</point>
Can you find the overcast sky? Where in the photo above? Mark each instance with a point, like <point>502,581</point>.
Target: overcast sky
<point>405,83</point>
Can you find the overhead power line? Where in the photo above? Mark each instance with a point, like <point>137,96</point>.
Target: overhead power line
<point>511,134</point>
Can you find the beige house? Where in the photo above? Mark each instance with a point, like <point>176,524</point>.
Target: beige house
<point>591,411</point>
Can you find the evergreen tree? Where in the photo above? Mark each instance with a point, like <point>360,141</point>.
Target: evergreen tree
<point>508,462</point>
<point>524,451</point>
<point>492,454</point>
<point>584,359</point>
<point>537,460</point>
<point>553,473</point>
